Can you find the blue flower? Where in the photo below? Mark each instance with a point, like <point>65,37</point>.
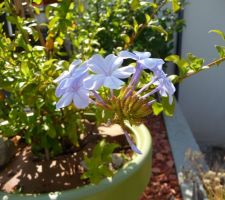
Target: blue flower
<point>107,72</point>
<point>72,70</point>
<point>136,55</point>
<point>166,88</point>
<point>76,69</point>
<point>164,85</point>
<point>71,86</point>
<point>143,59</point>
<point>143,62</point>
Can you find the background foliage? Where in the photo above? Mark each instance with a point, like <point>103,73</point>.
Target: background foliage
<point>38,52</point>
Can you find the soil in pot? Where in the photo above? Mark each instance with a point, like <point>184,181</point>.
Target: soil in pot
<point>27,174</point>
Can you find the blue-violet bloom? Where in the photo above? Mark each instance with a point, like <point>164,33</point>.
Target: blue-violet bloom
<point>107,72</point>
<point>71,87</point>
<point>76,70</point>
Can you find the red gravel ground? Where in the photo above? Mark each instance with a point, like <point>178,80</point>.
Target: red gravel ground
<point>163,184</point>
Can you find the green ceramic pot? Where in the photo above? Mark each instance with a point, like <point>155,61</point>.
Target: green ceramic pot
<point>128,183</point>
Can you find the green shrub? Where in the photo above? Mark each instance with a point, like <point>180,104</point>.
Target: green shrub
<point>38,53</point>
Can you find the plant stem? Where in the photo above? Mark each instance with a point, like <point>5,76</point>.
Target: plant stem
<point>47,156</point>
<point>210,65</point>
<point>216,62</point>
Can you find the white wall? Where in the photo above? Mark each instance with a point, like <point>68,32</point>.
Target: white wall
<point>202,97</point>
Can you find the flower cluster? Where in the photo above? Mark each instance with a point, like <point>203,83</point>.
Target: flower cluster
<point>80,84</point>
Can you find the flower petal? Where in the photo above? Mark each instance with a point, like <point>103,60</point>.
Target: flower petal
<point>124,72</point>
<point>94,82</point>
<point>65,100</point>
<point>81,98</point>
<point>74,65</point>
<point>113,82</point>
<point>142,55</point>
<point>59,91</point>
<point>97,64</point>
<point>151,63</point>
<point>127,54</point>
<point>112,63</point>
<point>132,145</point>
<point>166,88</point>
<point>64,75</point>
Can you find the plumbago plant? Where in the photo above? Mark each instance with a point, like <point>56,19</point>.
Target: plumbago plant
<point>81,86</point>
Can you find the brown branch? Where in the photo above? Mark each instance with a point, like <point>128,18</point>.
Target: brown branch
<point>216,62</point>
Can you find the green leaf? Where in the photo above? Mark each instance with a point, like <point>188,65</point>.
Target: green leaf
<point>173,78</point>
<point>37,1</point>
<point>135,4</point>
<point>38,48</point>
<point>108,150</point>
<point>175,5</point>
<point>71,131</point>
<point>12,19</point>
<point>161,30</point>
<point>219,32</point>
<point>126,38</point>
<point>51,132</point>
<point>25,69</point>
<point>220,50</point>
<point>157,108</point>
<point>98,164</point>
<point>59,40</point>
<point>168,109</point>
<point>8,130</point>
<point>80,7</point>
<point>136,27</point>
<point>181,63</point>
<point>36,10</point>
<point>147,18</point>
<point>13,114</point>
<point>173,58</point>
<point>154,5</point>
<point>195,62</point>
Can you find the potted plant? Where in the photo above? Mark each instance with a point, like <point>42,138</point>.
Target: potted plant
<point>31,63</point>
<point>115,87</point>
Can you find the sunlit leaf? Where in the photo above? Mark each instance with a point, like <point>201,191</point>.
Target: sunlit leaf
<point>135,26</point>
<point>168,109</point>
<point>24,68</point>
<point>126,38</point>
<point>219,32</point>
<point>36,10</point>
<point>195,62</point>
<point>175,5</point>
<point>148,18</point>
<point>157,108</point>
<point>220,50</point>
<point>81,7</point>
<point>37,1</point>
<point>172,58</point>
<point>135,4</point>
<point>161,30</point>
